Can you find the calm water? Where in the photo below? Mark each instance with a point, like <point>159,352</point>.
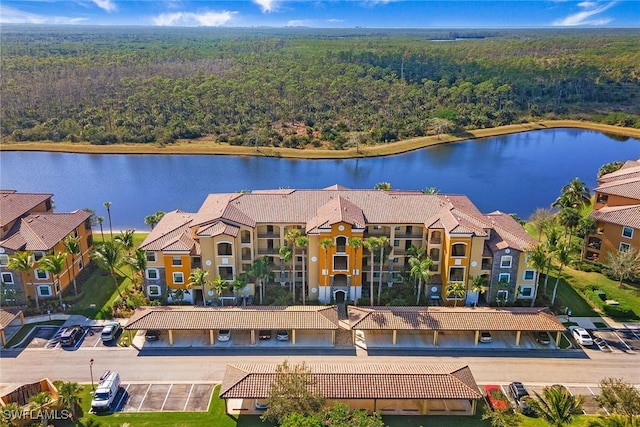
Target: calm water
<point>515,173</point>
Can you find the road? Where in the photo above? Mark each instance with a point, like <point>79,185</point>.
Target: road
<point>34,364</point>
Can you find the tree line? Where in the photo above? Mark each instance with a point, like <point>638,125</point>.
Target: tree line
<point>302,88</point>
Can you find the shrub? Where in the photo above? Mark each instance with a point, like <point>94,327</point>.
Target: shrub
<point>621,311</point>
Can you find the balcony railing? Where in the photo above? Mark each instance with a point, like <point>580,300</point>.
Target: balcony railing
<point>435,241</point>
<point>412,235</point>
<point>272,235</point>
<point>269,251</point>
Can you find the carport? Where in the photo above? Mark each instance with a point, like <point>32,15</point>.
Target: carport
<point>407,389</point>
<point>7,324</point>
<point>438,320</point>
<point>299,319</point>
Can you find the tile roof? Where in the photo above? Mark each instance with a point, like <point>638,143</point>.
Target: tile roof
<point>336,210</point>
<point>42,231</point>
<point>627,215</point>
<point>218,228</point>
<point>236,318</point>
<point>359,381</point>
<point>508,233</point>
<point>630,169</point>
<point>453,319</point>
<point>13,204</point>
<point>625,187</point>
<point>172,233</point>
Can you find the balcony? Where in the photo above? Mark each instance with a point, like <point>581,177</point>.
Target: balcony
<point>271,235</point>
<point>486,265</point>
<point>435,241</point>
<point>268,251</point>
<point>412,235</point>
<point>594,243</point>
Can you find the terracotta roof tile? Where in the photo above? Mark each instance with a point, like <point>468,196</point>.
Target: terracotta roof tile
<point>334,211</point>
<point>630,169</point>
<point>628,215</point>
<point>42,231</point>
<point>236,318</point>
<point>360,381</point>
<point>218,228</point>
<point>625,187</point>
<point>171,233</point>
<point>13,204</point>
<point>453,319</point>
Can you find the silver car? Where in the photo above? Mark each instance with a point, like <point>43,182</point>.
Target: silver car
<point>109,331</point>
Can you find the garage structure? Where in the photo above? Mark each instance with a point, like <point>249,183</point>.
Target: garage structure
<point>439,320</point>
<point>408,389</point>
<point>295,319</point>
<point>8,316</point>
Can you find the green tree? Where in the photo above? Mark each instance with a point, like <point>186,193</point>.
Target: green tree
<point>11,414</point>
<point>421,272</point>
<point>70,396</point>
<point>295,419</point>
<point>154,219</point>
<point>564,256</point>
<point>372,245</point>
<point>293,390</point>
<point>325,244</point>
<point>609,167</point>
<point>478,284</point>
<point>356,244</point>
<point>54,264</point>
<point>386,186</point>
<point>291,235</point>
<point>619,397</point>
<point>100,220</point>
<point>108,256</point>
<point>107,206</point>
<point>261,271</point>
<point>219,285</point>
<point>540,220</point>
<point>39,404</point>
<point>23,262</point>
<point>614,420</point>
<point>138,263</point>
<point>456,290</point>
<point>504,418</point>
<point>382,242</point>
<point>624,265</point>
<point>303,242</point>
<point>569,218</point>
<point>72,246</point>
<point>538,259</point>
<point>198,278</point>
<point>573,195</point>
<point>125,239</point>
<point>556,405</point>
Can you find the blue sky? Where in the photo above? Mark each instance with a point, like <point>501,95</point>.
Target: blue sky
<point>327,13</point>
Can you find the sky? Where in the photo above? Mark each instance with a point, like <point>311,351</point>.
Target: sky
<point>326,13</point>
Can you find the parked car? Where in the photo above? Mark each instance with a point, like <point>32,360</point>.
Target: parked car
<point>485,336</point>
<point>152,335</point>
<point>264,334</point>
<point>543,338</point>
<point>496,398</point>
<point>224,335</point>
<point>602,344</point>
<point>261,405</point>
<point>71,335</point>
<point>109,331</point>
<point>520,395</point>
<point>581,335</point>
<point>282,335</point>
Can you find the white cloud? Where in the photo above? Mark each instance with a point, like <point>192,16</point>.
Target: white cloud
<point>266,5</point>
<point>190,19</point>
<point>587,15</point>
<point>9,15</point>
<point>335,21</point>
<point>299,23</point>
<point>106,5</point>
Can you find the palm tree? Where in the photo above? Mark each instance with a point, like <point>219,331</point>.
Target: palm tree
<point>556,405</point>
<point>564,256</point>
<point>219,285</point>
<point>125,239</point>
<point>553,241</point>
<point>303,242</point>
<point>538,259</point>
<point>285,256</point>
<point>386,186</point>
<point>108,256</point>
<point>108,206</point>
<point>420,271</point>
<point>70,396</point>
<point>12,414</point>
<point>153,220</point>
<point>198,277</point>
<point>569,218</point>
<point>291,235</point>
<point>326,244</point>
<point>100,220</point>
<point>478,285</point>
<point>72,246</point>
<point>382,242</point>
<point>23,262</point>
<point>430,190</point>
<point>261,271</point>
<point>456,290</point>
<point>138,263</point>
<point>573,195</point>
<point>614,420</point>
<point>502,284</point>
<point>371,244</point>
<point>38,404</point>
<point>54,264</point>
<point>356,244</point>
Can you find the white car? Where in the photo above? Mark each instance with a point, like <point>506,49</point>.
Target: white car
<point>110,331</point>
<point>224,335</point>
<point>581,336</point>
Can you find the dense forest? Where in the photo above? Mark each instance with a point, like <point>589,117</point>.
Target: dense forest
<point>302,87</point>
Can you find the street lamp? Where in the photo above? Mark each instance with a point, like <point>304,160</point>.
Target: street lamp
<point>91,371</point>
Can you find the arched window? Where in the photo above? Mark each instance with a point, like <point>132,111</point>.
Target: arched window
<point>436,238</point>
<point>434,254</point>
<point>224,249</point>
<point>341,243</point>
<point>459,249</point>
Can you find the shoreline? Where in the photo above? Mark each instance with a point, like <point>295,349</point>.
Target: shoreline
<point>208,148</point>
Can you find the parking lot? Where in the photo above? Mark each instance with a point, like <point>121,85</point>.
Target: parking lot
<point>164,397</point>
<point>621,340</point>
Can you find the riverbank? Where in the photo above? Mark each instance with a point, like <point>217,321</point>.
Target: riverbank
<point>207,147</point>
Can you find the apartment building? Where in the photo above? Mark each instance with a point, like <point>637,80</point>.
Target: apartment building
<point>231,231</point>
<point>29,224</point>
<point>616,212</point>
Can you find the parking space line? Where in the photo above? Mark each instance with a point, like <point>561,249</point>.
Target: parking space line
<point>622,341</point>
<point>188,397</point>
<point>166,397</point>
<point>126,390</point>
<point>594,395</point>
<point>144,397</point>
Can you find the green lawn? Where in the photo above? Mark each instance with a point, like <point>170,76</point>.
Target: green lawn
<point>24,331</point>
<point>570,297</point>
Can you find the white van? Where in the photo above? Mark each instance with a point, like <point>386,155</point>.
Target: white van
<point>106,392</point>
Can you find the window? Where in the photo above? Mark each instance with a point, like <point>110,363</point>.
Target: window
<point>153,274</point>
<point>151,256</point>
<point>4,260</point>
<point>41,274</point>
<point>80,264</point>
<point>529,275</point>
<point>504,277</point>
<point>340,263</point>
<point>176,261</point>
<point>505,261</point>
<point>225,248</point>
<point>178,278</point>
<point>526,292</point>
<point>226,273</point>
<point>44,291</point>
<point>75,233</point>
<point>434,254</point>
<point>458,249</point>
<point>7,278</point>
<point>627,232</point>
<point>38,255</point>
<point>456,274</point>
<point>624,247</point>
<point>89,241</point>
<point>396,243</point>
<point>270,229</point>
<point>153,290</point>
<point>502,295</point>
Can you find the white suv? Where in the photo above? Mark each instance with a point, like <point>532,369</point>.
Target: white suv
<point>581,335</point>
